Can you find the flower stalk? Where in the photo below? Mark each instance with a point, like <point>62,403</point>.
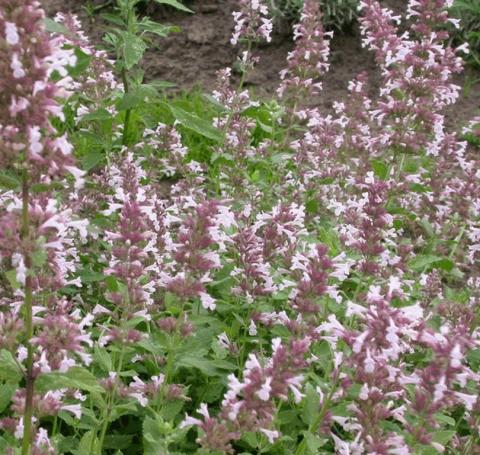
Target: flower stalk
<point>28,318</point>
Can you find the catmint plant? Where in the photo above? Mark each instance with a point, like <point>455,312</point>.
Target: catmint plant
<point>263,277</point>
<point>37,242</point>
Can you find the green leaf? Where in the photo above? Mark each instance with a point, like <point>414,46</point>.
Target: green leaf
<point>44,187</point>
<point>81,65</point>
<point>54,27</point>
<point>114,19</point>
<point>90,276</point>
<point>102,357</point>
<point>313,442</point>
<point>100,114</point>
<point>443,436</point>
<point>175,4</point>
<point>171,409</point>
<point>312,206</point>
<point>311,404</point>
<point>130,100</point>
<point>158,84</point>
<point>4,445</point>
<point>133,49</point>
<point>162,30</point>
<point>88,442</point>
<point>197,124</point>
<point>380,169</point>
<point>117,441</point>
<point>267,128</point>
<point>91,160</point>
<point>445,264</point>
<point>419,188</point>
<point>9,370</point>
<point>75,378</point>
<point>207,367</point>
<point>11,276</point>
<point>445,419</point>
<point>153,434</point>
<point>9,181</point>
<point>423,262</point>
<point>128,408</point>
<point>6,392</point>
<point>135,97</point>
<point>39,258</point>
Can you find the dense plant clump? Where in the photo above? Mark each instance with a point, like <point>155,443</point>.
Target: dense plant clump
<point>468,12</point>
<point>219,275</point>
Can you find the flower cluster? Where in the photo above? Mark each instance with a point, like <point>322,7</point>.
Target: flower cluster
<point>309,60</point>
<point>192,252</point>
<point>133,245</point>
<point>98,82</point>
<point>251,22</point>
<point>39,230</point>
<point>248,405</point>
<point>308,283</point>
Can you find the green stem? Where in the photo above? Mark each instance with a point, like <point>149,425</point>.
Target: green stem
<point>55,426</point>
<point>313,427</point>
<point>244,71</point>
<point>126,85</point>
<point>457,241</point>
<point>128,112</point>
<point>291,121</point>
<point>110,402</point>
<point>28,319</point>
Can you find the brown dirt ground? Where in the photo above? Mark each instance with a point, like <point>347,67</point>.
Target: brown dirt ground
<point>191,58</point>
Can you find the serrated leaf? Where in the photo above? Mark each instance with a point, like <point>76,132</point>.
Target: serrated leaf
<point>39,257</point>
<point>423,262</point>
<point>102,357</point>
<point>380,169</point>
<point>76,378</point>
<point>207,367</point>
<point>161,30</point>
<point>443,436</point>
<point>135,97</point>
<point>100,114</point>
<point>117,441</point>
<point>133,49</point>
<point>11,276</point>
<point>311,404</point>
<point>9,370</point>
<point>88,442</point>
<point>197,124</point>
<point>44,187</point>
<point>153,434</point>
<point>313,442</point>
<point>91,160</point>
<point>9,181</point>
<point>90,276</point>
<point>171,409</point>
<point>419,188</point>
<point>267,128</point>
<point>176,4</point>
<point>445,419</point>
<point>82,63</point>
<point>54,27</point>
<point>114,19</point>
<point>6,392</point>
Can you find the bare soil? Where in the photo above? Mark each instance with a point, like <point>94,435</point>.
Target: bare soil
<point>192,57</point>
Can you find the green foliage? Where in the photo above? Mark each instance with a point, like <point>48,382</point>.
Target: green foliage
<point>468,11</point>
<point>115,422</point>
